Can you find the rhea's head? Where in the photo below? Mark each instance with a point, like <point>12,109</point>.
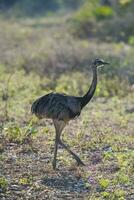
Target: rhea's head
<point>98,63</point>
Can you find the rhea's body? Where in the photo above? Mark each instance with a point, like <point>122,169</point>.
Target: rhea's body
<point>57,106</point>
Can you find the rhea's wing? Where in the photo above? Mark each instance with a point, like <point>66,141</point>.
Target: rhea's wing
<point>37,105</point>
<point>51,106</point>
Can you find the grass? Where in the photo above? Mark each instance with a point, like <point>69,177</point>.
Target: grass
<point>105,146</point>
<point>37,57</point>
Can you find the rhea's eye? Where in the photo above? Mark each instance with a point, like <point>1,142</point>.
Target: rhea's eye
<point>98,63</point>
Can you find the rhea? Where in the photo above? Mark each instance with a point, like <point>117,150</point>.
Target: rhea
<point>62,108</point>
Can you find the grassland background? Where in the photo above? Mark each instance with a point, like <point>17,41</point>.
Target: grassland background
<point>48,46</point>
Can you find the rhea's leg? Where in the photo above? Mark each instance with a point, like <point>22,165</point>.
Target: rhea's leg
<point>55,151</point>
<point>59,125</point>
<point>71,152</point>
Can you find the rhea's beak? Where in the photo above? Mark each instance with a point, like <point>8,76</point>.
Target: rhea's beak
<point>106,63</point>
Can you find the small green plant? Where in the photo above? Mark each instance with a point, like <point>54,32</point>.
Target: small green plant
<point>14,133</point>
<point>3,183</point>
<point>86,13</point>
<point>25,181</point>
<point>122,178</point>
<point>103,183</point>
<point>119,194</point>
<point>105,195</point>
<point>103,12</point>
<point>108,155</point>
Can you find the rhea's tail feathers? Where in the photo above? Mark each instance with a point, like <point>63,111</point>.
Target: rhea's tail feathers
<point>33,107</point>
<point>40,103</point>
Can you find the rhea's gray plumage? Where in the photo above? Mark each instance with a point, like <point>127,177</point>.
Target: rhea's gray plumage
<point>61,108</point>
<point>57,106</point>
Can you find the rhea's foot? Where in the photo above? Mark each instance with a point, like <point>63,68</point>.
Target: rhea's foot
<point>79,162</point>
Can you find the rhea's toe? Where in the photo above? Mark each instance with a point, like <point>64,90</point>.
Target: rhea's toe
<point>79,162</point>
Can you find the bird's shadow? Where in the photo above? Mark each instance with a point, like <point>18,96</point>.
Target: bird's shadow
<point>66,182</point>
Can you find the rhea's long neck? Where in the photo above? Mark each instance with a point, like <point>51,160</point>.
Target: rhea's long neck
<point>87,97</point>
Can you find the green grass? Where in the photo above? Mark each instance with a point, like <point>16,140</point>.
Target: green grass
<point>3,184</point>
